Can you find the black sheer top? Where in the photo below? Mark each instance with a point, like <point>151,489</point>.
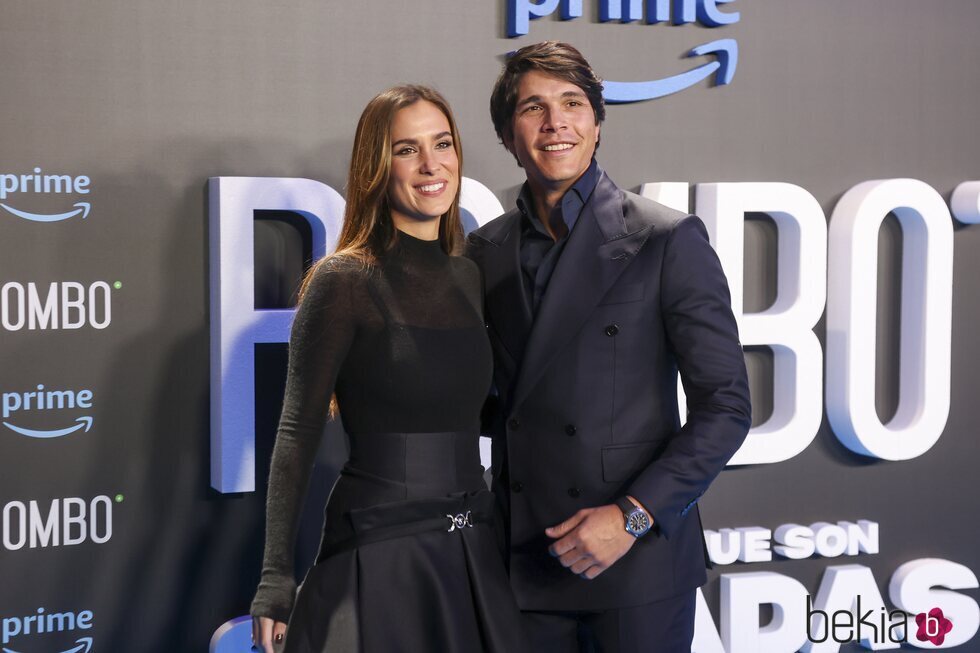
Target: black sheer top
<point>402,344</point>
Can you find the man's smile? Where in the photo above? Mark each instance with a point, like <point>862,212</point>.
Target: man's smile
<point>558,147</point>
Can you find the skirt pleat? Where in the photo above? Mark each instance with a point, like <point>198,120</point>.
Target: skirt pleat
<point>440,591</point>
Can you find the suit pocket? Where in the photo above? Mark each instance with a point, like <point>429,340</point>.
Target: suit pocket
<point>625,461</point>
<point>623,293</point>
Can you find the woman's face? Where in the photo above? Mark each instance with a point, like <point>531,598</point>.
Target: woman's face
<point>424,166</point>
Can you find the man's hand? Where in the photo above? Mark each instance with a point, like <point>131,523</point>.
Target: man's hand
<point>591,540</point>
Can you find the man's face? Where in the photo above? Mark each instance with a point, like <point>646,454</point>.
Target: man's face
<point>553,133</point>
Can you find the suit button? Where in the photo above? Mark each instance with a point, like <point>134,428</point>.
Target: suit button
<point>574,492</point>
<point>570,429</point>
<point>516,486</point>
<point>513,424</point>
<point>612,330</point>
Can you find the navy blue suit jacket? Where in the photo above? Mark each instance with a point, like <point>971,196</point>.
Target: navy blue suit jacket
<point>587,394</point>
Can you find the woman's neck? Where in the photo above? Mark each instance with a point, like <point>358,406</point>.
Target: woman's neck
<point>421,229</point>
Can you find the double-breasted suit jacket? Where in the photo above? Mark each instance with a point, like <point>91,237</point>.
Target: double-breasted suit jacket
<point>587,396</point>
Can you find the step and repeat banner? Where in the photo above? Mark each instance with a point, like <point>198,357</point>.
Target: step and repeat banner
<point>167,170</point>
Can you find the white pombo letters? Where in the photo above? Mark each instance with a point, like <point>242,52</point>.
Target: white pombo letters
<point>786,327</point>
<point>58,306</point>
<point>927,291</point>
<point>237,326</point>
<point>672,194</point>
<point>965,202</point>
<point>477,204</point>
<point>64,522</point>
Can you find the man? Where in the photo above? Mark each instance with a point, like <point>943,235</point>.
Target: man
<point>595,298</point>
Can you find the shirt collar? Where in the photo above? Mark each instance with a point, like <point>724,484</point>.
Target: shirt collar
<point>571,203</point>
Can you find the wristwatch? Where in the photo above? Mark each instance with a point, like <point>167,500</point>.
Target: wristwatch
<point>637,520</point>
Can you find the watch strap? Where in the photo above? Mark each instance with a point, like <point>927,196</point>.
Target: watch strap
<point>627,506</point>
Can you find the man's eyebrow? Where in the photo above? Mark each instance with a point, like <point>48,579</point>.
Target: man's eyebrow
<point>413,141</point>
<point>537,98</point>
<point>529,100</point>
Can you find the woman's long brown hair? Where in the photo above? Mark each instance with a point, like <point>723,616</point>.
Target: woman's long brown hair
<point>368,230</point>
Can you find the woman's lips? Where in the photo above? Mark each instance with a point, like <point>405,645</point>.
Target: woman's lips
<point>431,189</point>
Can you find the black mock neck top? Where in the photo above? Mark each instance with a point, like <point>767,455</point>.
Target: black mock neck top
<point>403,345</point>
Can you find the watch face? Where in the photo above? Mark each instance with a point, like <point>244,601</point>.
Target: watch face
<point>638,522</point>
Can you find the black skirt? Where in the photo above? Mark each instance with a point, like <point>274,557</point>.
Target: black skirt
<point>421,574</point>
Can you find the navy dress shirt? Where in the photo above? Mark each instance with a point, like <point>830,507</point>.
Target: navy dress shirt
<point>539,252</point>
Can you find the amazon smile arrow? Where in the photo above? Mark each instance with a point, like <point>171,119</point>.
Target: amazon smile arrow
<point>84,646</point>
<point>85,421</point>
<point>726,53</point>
<point>83,208</point>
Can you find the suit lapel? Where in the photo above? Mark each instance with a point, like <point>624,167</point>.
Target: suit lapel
<point>508,308</point>
<point>598,250</point>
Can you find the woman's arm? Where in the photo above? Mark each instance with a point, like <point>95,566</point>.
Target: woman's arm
<point>321,335</point>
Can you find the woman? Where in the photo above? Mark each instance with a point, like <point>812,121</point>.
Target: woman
<point>390,331</point>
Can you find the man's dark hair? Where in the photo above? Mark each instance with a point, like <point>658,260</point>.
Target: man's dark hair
<point>552,58</point>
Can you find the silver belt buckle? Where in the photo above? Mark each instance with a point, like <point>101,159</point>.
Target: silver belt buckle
<point>459,520</point>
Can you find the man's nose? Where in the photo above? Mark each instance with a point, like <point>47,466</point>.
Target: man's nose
<point>554,120</point>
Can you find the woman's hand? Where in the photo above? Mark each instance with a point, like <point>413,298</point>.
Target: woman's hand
<point>267,634</point>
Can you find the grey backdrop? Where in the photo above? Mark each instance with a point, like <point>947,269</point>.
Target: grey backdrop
<point>150,99</point>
